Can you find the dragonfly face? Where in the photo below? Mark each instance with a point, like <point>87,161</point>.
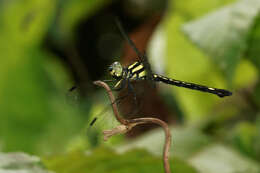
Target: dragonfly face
<point>125,75</point>
<point>116,70</point>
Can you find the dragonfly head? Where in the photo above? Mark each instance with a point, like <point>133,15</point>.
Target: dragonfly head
<point>116,70</point>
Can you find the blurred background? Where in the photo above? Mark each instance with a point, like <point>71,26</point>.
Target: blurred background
<point>49,46</point>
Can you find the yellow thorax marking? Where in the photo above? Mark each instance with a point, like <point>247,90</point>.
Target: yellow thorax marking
<point>137,68</point>
<point>142,74</point>
<point>134,76</point>
<point>131,66</point>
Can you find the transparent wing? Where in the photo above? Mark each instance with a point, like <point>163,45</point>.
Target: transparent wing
<point>130,42</point>
<point>102,119</point>
<point>141,56</point>
<point>73,96</point>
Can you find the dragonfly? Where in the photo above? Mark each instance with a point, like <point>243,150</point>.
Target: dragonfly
<point>141,71</point>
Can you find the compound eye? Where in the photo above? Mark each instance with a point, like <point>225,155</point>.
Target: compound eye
<point>116,63</point>
<point>110,68</point>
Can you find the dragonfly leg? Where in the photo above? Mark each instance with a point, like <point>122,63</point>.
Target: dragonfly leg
<point>131,90</point>
<point>119,99</point>
<point>108,80</point>
<point>119,85</point>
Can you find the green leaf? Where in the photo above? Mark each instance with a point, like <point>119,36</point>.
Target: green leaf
<point>104,160</point>
<point>24,23</point>
<point>184,61</point>
<point>254,45</point>
<point>185,142</point>
<point>23,104</point>
<point>196,8</point>
<point>223,34</point>
<point>20,162</point>
<point>33,112</point>
<point>256,95</point>
<point>219,158</point>
<point>245,137</point>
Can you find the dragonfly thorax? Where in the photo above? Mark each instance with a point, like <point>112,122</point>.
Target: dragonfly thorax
<point>116,70</point>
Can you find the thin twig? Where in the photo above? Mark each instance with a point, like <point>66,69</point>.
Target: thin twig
<point>127,125</point>
<point>113,101</point>
<point>167,144</point>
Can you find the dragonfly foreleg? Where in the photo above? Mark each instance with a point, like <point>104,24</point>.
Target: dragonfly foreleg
<point>108,80</point>
<point>131,89</point>
<point>120,85</point>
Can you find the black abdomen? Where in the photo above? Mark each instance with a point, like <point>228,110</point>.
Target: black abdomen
<point>218,92</point>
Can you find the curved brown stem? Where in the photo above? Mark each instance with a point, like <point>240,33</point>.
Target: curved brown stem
<point>127,125</point>
<point>167,144</point>
<point>113,101</point>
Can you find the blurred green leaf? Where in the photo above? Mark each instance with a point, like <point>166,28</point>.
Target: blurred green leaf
<point>24,23</point>
<point>185,142</point>
<point>186,62</point>
<point>223,34</point>
<point>20,162</point>
<point>104,160</point>
<point>256,95</point>
<point>22,90</point>
<point>246,74</point>
<point>254,44</point>
<point>253,55</point>
<point>195,8</point>
<point>34,115</point>
<point>245,137</point>
<point>219,158</point>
